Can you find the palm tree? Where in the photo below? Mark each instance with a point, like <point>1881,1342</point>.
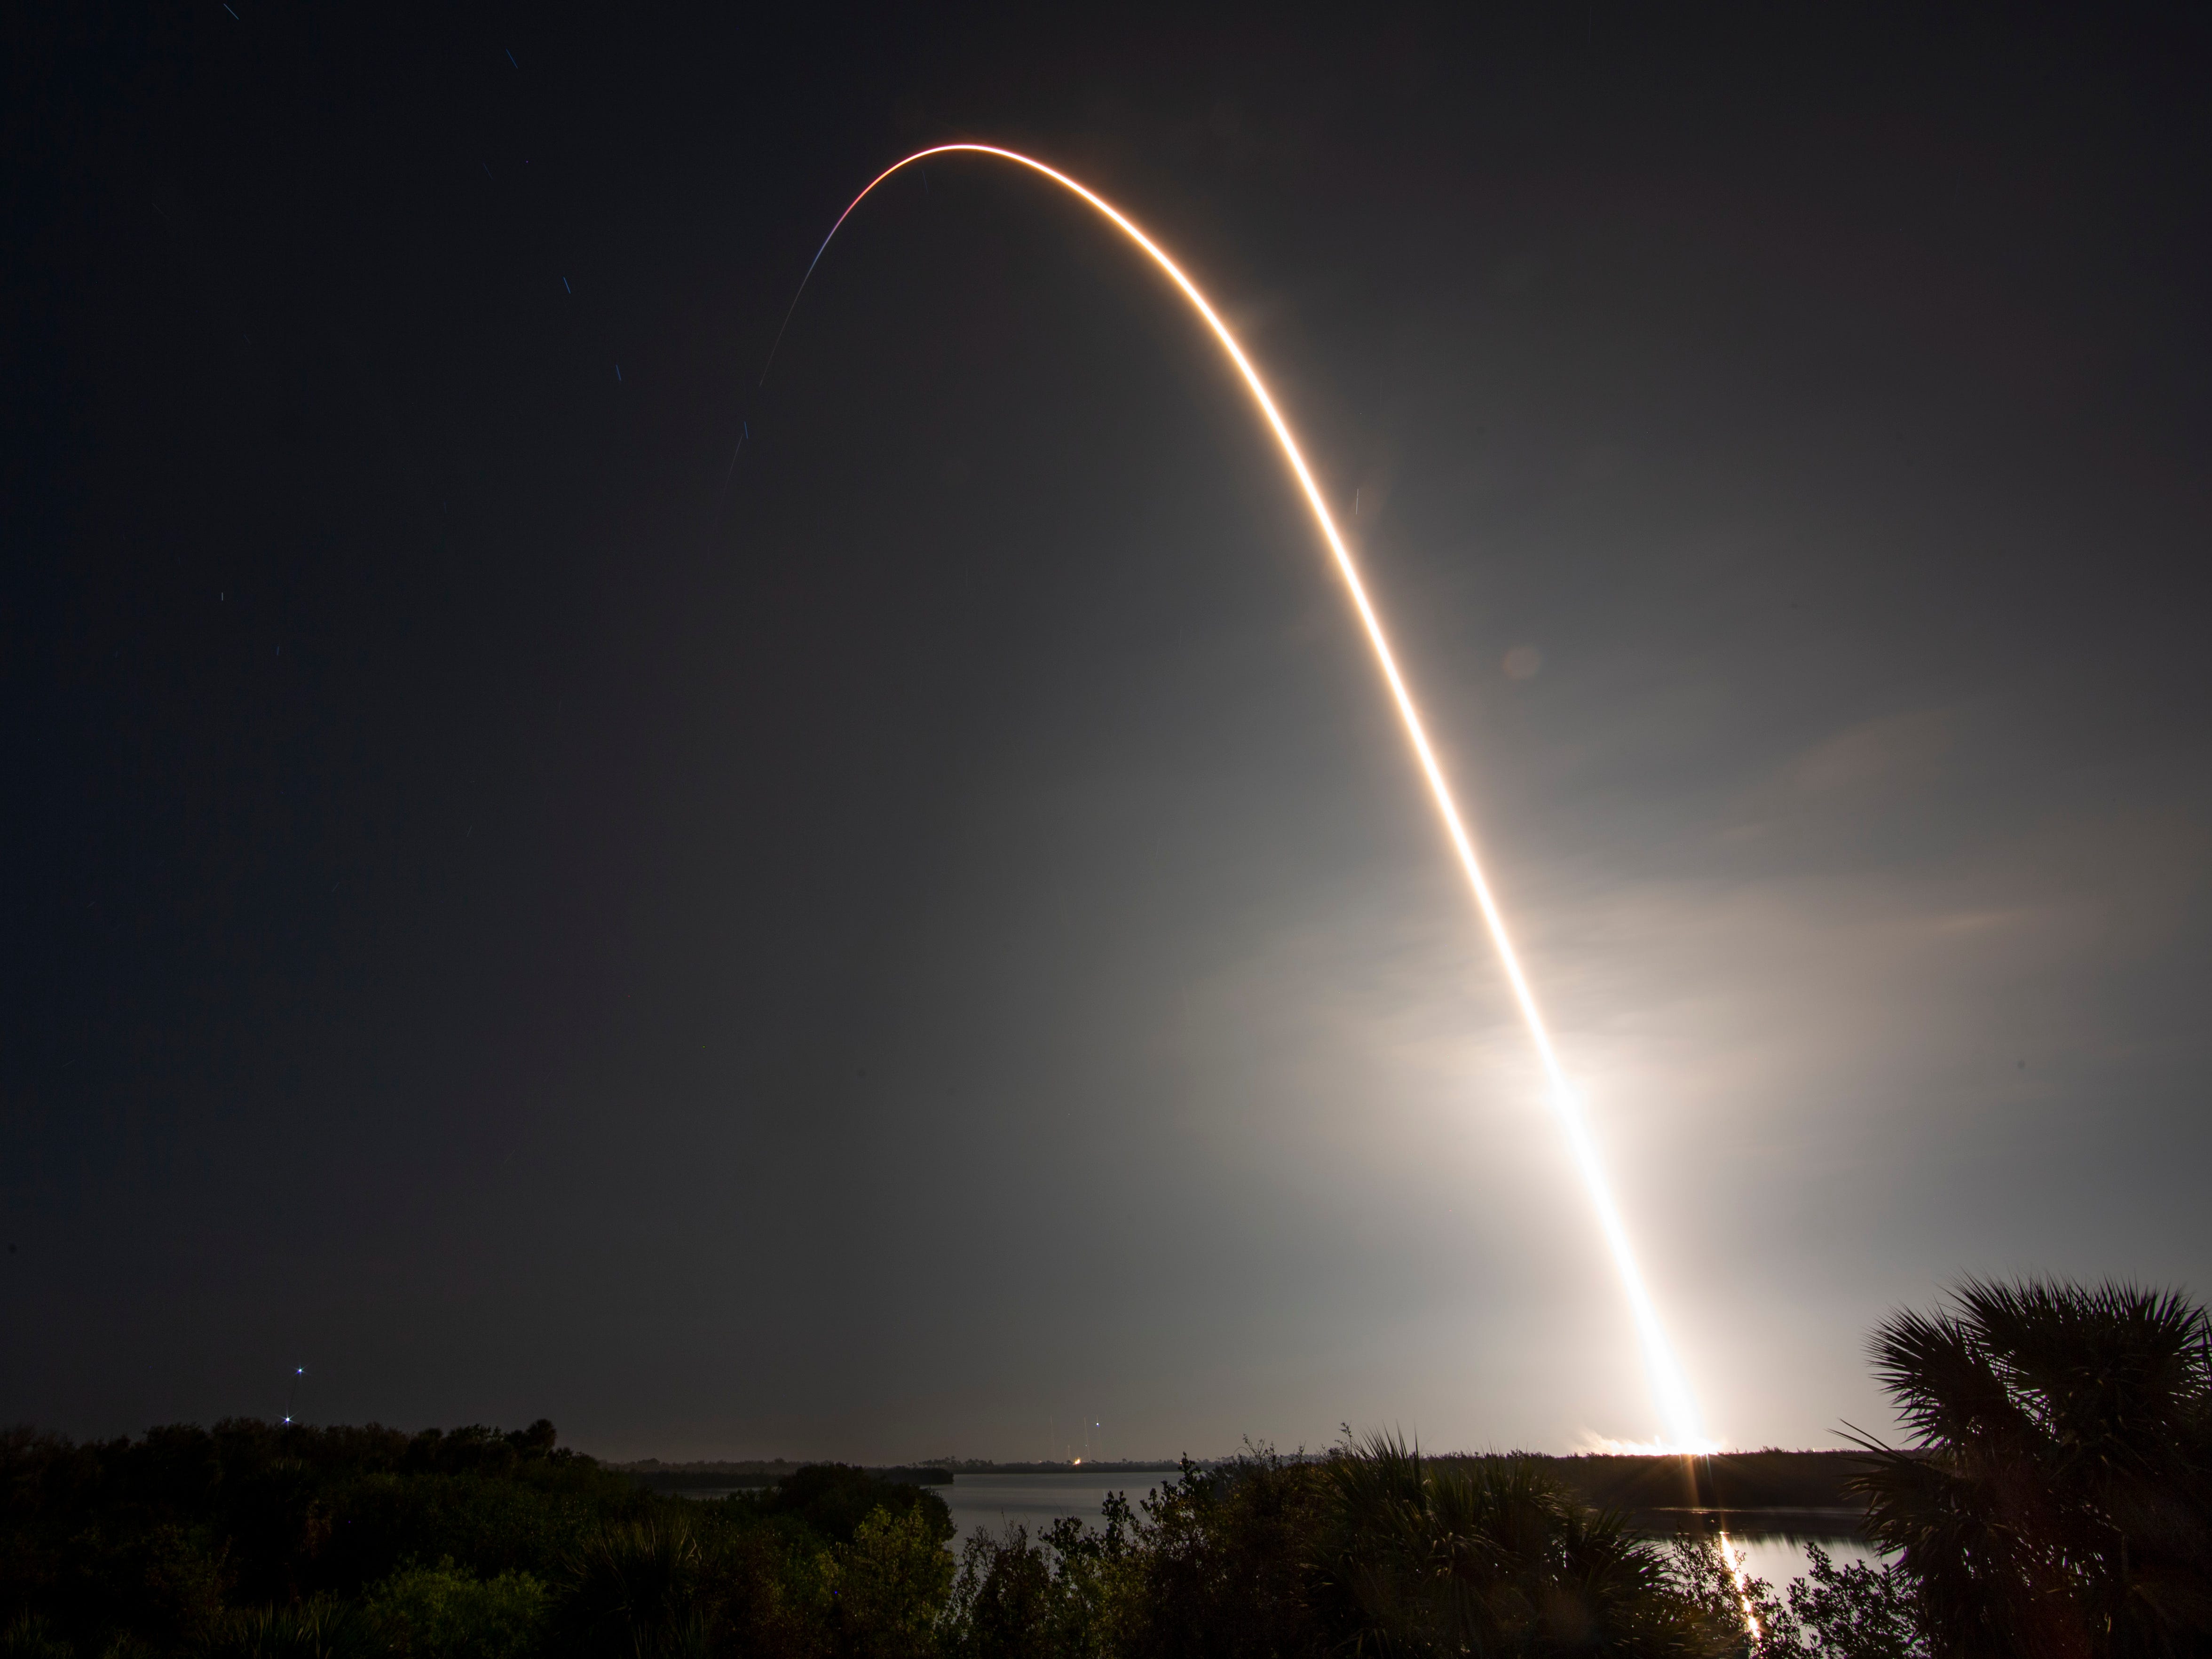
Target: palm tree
<point>2058,1499</point>
<point>636,1591</point>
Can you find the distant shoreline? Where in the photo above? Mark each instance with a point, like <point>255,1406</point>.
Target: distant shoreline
<point>1809,1483</point>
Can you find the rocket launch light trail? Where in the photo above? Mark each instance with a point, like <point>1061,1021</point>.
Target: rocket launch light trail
<point>1677,1407</point>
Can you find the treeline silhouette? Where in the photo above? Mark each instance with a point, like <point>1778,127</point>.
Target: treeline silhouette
<point>2056,1502</point>
<point>1768,1480</point>
<point>258,1539</point>
<point>727,1477</point>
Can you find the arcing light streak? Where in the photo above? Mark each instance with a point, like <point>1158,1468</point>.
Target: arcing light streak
<point>1677,1409</point>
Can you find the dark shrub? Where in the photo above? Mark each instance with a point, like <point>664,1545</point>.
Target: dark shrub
<point>833,1499</point>
<point>1493,1557</point>
<point>1225,1562</point>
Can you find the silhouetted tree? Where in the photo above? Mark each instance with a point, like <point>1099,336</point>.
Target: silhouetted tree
<point>2058,1499</point>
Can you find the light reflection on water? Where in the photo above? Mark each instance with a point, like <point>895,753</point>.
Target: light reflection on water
<point>980,1501</point>
<point>1773,1545</point>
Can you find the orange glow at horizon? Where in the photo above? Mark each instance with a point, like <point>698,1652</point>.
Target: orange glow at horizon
<point>1671,1393</point>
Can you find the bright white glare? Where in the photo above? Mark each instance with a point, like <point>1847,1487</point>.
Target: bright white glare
<point>1739,1576</point>
<point>1670,1389</point>
<point>1604,1445</point>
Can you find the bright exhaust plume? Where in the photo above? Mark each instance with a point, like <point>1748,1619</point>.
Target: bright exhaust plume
<point>1676,1407</point>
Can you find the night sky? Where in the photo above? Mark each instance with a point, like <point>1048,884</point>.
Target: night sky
<point>928,934</point>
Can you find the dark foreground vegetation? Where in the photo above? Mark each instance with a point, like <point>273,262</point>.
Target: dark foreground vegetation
<point>2058,1504</point>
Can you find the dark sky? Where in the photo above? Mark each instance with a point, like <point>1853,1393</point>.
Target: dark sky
<point>929,937</point>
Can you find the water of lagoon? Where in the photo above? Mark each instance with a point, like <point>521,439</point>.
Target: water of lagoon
<point>1773,1544</point>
